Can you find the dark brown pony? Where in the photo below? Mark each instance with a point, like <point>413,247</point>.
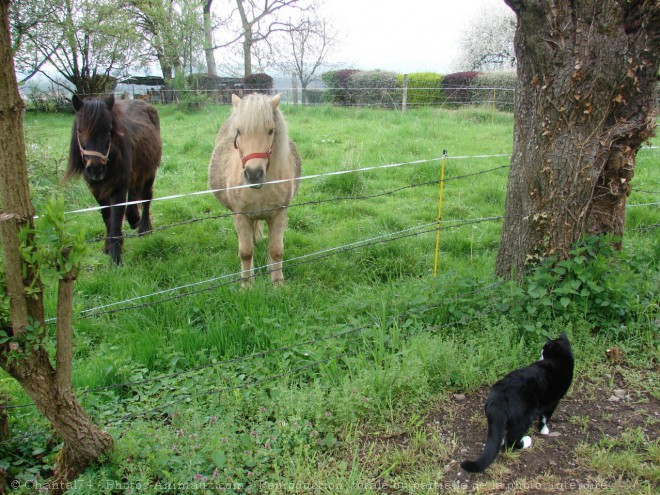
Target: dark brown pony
<point>116,147</point>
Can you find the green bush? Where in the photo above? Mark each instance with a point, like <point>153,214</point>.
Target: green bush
<point>596,283</point>
<point>456,87</point>
<point>375,88</point>
<point>424,88</point>
<point>315,96</point>
<point>258,83</point>
<point>337,82</point>
<point>494,86</point>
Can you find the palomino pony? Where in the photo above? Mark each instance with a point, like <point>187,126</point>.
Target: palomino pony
<point>116,147</point>
<point>253,148</point>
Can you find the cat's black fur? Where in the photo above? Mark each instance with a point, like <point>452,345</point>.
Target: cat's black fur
<point>523,395</point>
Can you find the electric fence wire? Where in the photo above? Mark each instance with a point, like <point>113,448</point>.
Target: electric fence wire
<point>232,278</point>
<point>309,177</point>
<point>306,203</point>
<point>295,179</point>
<point>317,255</point>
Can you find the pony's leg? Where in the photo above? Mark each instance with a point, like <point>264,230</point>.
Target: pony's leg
<point>132,213</point>
<point>105,213</point>
<point>276,227</point>
<point>147,195</point>
<point>244,229</point>
<point>115,240</point>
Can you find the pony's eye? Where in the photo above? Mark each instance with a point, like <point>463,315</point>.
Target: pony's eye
<point>238,133</point>
<point>270,132</point>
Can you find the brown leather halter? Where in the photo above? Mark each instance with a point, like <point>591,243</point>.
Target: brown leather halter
<point>244,159</point>
<point>84,152</point>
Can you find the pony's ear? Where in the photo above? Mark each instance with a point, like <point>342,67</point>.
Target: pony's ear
<point>77,102</point>
<point>275,101</point>
<point>235,100</point>
<point>110,102</point>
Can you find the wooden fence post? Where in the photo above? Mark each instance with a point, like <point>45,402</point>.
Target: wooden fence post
<point>405,93</point>
<point>294,85</point>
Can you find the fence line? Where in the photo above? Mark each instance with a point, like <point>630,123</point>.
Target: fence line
<point>308,177</point>
<point>280,181</point>
<point>291,262</point>
<point>305,203</point>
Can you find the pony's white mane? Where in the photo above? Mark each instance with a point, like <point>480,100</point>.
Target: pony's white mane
<point>256,115</point>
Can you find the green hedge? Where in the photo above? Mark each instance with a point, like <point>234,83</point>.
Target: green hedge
<point>494,86</point>
<point>424,88</point>
<point>456,88</point>
<point>375,88</point>
<point>338,82</point>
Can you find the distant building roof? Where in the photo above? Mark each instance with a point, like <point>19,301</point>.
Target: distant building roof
<point>144,80</point>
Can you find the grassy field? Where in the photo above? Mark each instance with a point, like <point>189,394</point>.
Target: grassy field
<point>208,388</point>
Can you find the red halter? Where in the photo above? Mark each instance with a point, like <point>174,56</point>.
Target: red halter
<point>244,159</point>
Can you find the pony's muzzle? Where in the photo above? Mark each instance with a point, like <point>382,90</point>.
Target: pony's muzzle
<point>255,176</point>
<point>95,170</point>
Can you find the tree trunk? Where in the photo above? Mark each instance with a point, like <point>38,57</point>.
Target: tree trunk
<point>247,38</point>
<point>208,39</point>
<point>50,390</point>
<point>584,106</point>
<point>247,54</point>
<point>303,85</point>
<point>84,442</point>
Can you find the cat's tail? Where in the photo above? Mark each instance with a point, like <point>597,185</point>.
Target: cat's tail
<point>496,427</point>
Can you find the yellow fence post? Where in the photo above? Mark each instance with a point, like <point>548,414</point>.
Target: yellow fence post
<point>437,230</point>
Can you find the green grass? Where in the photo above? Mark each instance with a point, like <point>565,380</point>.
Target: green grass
<point>246,386</point>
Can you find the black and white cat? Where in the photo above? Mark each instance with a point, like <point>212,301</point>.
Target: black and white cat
<point>523,395</point>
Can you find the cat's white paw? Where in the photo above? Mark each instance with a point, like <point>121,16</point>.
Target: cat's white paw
<point>545,430</point>
<point>526,441</point>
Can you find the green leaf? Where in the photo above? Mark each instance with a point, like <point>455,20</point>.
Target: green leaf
<point>565,301</point>
<point>536,291</point>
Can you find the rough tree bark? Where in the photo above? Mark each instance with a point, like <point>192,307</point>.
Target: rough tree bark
<point>584,106</point>
<point>48,387</point>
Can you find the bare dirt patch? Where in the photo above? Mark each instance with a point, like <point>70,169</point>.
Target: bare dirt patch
<point>597,408</point>
<point>593,411</point>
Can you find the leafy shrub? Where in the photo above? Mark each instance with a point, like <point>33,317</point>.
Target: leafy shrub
<point>258,83</point>
<point>337,82</point>
<point>192,100</point>
<point>424,88</point>
<point>596,282</point>
<point>315,96</point>
<point>375,88</point>
<point>498,84</point>
<point>456,87</point>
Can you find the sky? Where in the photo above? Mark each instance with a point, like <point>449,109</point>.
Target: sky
<point>404,36</point>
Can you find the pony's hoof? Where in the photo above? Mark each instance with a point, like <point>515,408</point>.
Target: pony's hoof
<point>545,430</point>
<point>526,442</point>
<point>144,229</point>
